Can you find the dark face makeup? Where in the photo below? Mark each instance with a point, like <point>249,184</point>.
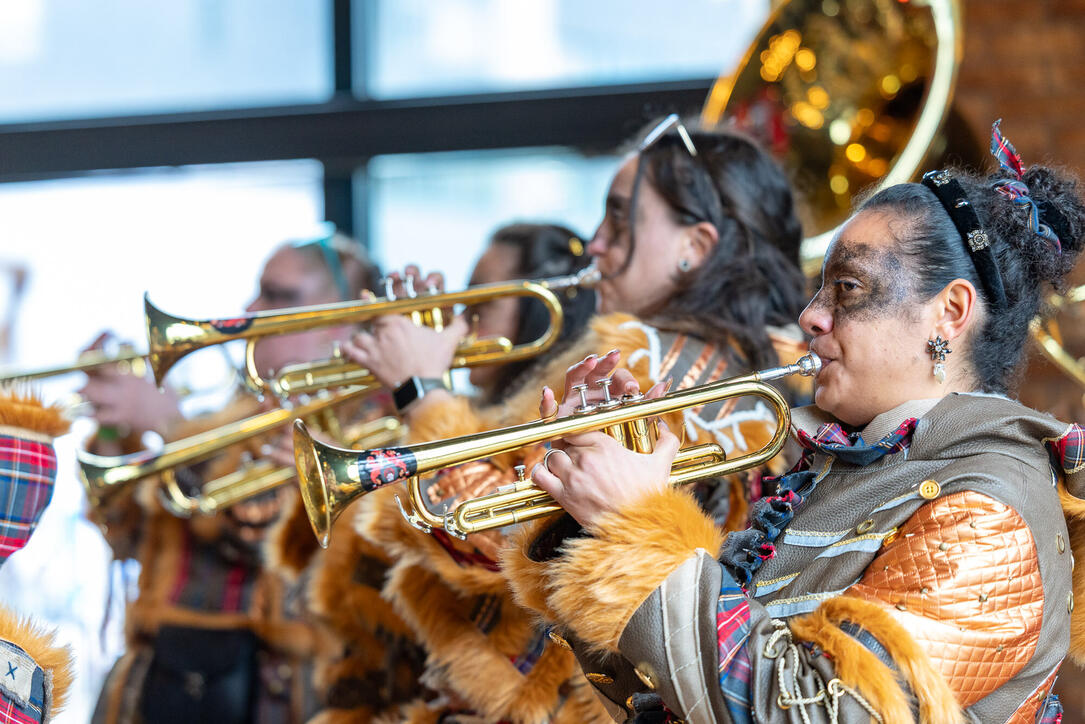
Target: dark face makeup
<point>862,282</point>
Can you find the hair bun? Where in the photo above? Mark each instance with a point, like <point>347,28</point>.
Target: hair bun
<point>1057,194</point>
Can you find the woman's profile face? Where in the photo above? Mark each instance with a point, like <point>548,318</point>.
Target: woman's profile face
<point>650,277</point>
<point>869,331</point>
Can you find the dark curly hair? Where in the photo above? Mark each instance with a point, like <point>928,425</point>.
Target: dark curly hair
<point>543,250</point>
<point>936,255</point>
<point>752,279</point>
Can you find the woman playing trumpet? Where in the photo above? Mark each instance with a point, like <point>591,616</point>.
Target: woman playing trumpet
<point>697,250</point>
<point>915,564</point>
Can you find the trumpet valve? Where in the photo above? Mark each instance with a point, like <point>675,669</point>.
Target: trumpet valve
<point>389,289</point>
<point>584,407</point>
<point>608,402</point>
<point>520,470</point>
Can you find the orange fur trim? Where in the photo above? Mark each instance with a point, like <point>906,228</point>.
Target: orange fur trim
<point>291,545</point>
<point>1073,509</point>
<point>477,667</point>
<point>378,519</point>
<point>416,712</point>
<point>858,667</point>
<point>19,408</point>
<point>353,609</point>
<point>361,715</point>
<point>600,581</point>
<point>527,578</point>
<point>40,644</point>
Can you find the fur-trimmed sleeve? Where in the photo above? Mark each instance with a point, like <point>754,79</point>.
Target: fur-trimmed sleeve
<point>21,637</point>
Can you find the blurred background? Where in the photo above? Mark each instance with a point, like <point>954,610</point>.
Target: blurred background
<point>168,147</point>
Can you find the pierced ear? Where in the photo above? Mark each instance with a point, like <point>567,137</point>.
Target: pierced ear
<point>699,242</point>
<point>956,310</point>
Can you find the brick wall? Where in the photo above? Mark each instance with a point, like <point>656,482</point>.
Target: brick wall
<point>1024,62</point>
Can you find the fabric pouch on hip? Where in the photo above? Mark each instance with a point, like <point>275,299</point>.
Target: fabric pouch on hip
<point>200,675</point>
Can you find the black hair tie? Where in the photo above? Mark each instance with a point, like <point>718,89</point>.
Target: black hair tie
<point>951,195</point>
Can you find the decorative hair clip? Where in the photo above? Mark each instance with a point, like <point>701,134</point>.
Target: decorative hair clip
<point>1018,192</point>
<point>951,195</point>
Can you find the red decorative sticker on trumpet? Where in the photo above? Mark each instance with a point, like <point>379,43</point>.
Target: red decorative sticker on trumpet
<point>231,326</point>
<point>387,465</point>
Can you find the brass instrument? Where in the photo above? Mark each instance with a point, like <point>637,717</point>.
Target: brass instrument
<point>1046,333</point>
<point>171,338</point>
<point>127,359</point>
<point>848,96</point>
<point>256,477</point>
<point>331,478</point>
<point>103,475</point>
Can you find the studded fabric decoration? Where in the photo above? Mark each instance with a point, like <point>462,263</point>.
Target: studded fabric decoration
<point>952,196</point>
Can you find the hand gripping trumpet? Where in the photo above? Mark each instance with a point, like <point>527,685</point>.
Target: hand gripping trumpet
<point>331,478</point>
<point>171,338</point>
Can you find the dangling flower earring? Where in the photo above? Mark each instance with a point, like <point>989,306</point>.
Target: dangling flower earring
<point>684,265</point>
<point>938,349</point>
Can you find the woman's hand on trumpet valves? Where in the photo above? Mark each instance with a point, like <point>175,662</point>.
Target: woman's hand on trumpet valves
<point>397,349</point>
<point>591,474</point>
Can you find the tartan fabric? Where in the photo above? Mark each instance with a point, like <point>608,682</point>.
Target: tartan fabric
<point>28,469</point>
<point>732,633</point>
<point>11,713</point>
<point>1068,450</point>
<point>1016,191</point>
<point>832,439</point>
<point>526,661</point>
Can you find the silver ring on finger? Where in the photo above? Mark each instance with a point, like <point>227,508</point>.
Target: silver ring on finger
<point>546,459</point>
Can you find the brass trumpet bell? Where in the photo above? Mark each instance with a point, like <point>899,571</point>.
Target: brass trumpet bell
<point>331,477</point>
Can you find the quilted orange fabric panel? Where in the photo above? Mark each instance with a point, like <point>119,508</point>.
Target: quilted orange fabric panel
<point>962,576</point>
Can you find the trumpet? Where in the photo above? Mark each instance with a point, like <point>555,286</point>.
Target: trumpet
<point>171,338</point>
<point>127,359</point>
<point>104,475</point>
<point>331,477</point>
<point>261,476</point>
<point>1048,337</point>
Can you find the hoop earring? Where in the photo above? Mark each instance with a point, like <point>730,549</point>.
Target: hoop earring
<point>938,349</point>
<point>684,265</point>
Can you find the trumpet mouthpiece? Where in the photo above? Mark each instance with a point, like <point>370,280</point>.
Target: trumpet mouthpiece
<point>809,364</point>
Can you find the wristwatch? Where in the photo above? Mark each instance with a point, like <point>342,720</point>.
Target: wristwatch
<point>415,388</point>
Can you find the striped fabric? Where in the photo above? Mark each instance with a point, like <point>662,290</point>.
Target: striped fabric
<point>732,632</point>
<point>28,469</point>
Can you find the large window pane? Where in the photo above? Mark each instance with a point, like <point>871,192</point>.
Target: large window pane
<point>438,47</point>
<point>73,58</point>
<point>438,210</point>
<point>196,239</point>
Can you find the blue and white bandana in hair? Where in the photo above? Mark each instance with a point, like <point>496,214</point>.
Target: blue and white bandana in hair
<point>1016,191</point>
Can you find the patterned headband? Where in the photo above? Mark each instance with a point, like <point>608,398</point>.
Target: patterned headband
<point>951,195</point>
<point>1018,192</point>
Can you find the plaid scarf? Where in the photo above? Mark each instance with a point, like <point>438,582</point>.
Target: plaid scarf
<point>1016,190</point>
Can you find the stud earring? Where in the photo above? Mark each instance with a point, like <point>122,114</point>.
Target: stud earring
<point>684,265</point>
<point>938,349</point>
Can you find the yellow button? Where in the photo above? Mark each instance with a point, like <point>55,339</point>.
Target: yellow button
<point>865,526</point>
<point>644,673</point>
<point>599,679</point>
<point>929,489</point>
<point>559,640</point>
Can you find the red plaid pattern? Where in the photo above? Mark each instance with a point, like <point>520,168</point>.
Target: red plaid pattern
<point>28,469</point>
<point>10,713</point>
<point>1068,449</point>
